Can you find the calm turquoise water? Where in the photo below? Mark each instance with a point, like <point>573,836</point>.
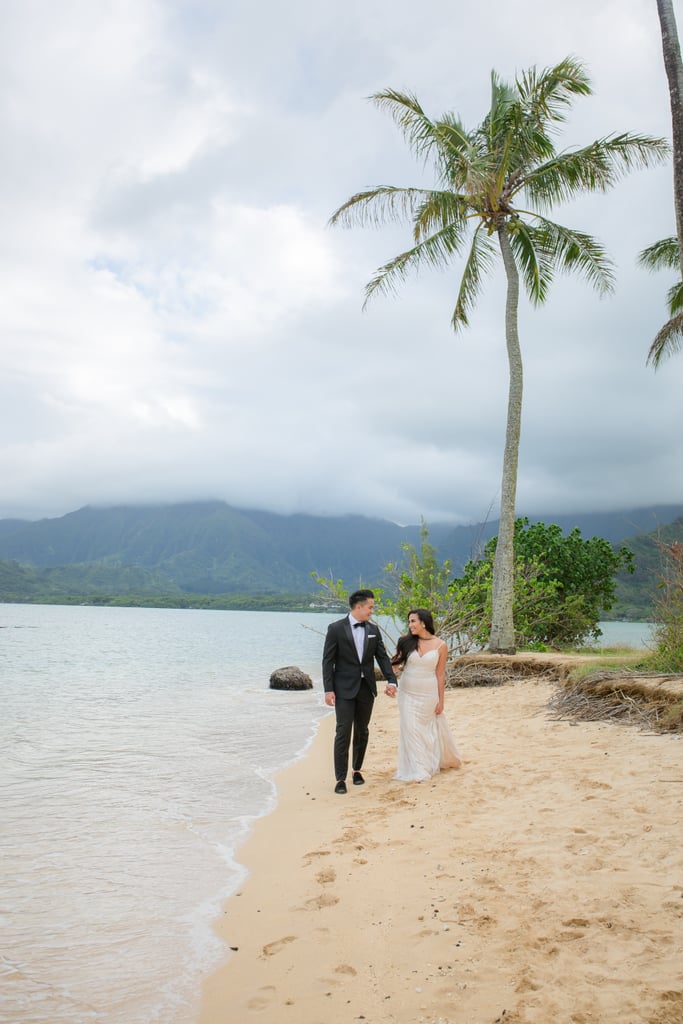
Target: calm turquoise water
<point>136,747</point>
<point>626,634</point>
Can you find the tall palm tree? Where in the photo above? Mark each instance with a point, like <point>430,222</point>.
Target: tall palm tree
<point>669,251</point>
<point>495,184</point>
<point>674,72</point>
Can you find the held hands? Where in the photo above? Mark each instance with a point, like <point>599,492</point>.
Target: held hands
<point>390,689</point>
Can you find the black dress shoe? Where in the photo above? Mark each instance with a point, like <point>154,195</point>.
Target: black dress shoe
<point>358,779</point>
<point>340,787</point>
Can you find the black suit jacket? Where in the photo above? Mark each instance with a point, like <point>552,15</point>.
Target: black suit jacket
<point>342,670</point>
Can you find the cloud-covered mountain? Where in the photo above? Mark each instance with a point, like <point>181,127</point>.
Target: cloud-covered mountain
<point>213,548</point>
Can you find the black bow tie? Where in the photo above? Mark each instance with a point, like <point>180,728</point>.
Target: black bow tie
<point>358,625</point>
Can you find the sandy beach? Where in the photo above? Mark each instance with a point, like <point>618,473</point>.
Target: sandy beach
<point>542,882</point>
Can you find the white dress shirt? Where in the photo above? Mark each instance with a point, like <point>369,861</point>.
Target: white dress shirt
<point>358,636</point>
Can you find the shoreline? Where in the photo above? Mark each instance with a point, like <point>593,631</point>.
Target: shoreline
<point>543,879</point>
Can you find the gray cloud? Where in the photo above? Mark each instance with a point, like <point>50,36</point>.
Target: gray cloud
<point>179,322</point>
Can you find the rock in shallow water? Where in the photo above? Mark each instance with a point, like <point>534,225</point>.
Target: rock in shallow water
<point>290,678</point>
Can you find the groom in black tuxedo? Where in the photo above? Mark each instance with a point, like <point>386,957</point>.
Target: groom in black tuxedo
<point>351,647</point>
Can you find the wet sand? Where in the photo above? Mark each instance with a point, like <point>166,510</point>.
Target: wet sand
<point>541,882</point>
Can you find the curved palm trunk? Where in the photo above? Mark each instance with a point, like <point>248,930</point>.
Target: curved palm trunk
<point>502,638</point>
<point>674,73</point>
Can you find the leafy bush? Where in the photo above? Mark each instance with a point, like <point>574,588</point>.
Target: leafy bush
<point>563,585</point>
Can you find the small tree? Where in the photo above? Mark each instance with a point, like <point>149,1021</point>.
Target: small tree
<point>419,581</point>
<point>582,568</point>
<point>562,586</point>
<point>668,634</point>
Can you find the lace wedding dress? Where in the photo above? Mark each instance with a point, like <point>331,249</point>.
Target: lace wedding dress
<point>425,741</point>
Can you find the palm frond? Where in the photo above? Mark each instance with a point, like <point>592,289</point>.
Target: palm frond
<point>503,98</point>
<point>480,260</point>
<point>668,341</point>
<point>571,250</point>
<point>379,205</point>
<point>498,123</point>
<point>662,255</point>
<point>665,255</point>
<point>404,108</point>
<point>547,94</point>
<point>593,168</point>
<point>630,150</point>
<point>674,298</point>
<point>532,260</point>
<point>439,209</point>
<point>456,153</point>
<point>434,251</point>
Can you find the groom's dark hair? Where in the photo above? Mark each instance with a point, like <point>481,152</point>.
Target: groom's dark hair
<point>360,597</point>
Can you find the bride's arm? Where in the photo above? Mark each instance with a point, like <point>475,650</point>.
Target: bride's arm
<point>441,676</point>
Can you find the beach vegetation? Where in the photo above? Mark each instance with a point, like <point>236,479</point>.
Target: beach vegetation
<point>495,186</point>
<point>615,660</point>
<point>563,584</point>
<point>638,591</point>
<point>668,633</point>
<point>629,698</point>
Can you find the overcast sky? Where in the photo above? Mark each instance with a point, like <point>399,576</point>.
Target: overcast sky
<point>179,322</point>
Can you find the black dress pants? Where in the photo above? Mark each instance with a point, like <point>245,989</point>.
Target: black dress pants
<point>353,718</point>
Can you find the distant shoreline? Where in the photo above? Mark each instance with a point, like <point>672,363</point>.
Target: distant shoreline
<point>207,602</point>
<point>218,602</point>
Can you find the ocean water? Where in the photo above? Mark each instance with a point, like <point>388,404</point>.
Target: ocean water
<point>626,634</point>
<point>137,746</point>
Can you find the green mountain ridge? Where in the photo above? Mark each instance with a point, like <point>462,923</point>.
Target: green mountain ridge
<point>180,552</point>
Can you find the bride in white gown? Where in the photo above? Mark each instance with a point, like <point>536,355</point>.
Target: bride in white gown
<point>425,742</point>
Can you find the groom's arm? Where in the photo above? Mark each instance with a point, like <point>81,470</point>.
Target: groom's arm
<point>383,661</point>
<point>329,658</point>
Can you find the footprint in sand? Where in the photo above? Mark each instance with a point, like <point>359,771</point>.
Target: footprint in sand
<point>570,935</point>
<point>350,835</point>
<point>308,857</point>
<point>493,883</point>
<point>271,948</point>
<point>326,876</point>
<point>345,969</point>
<point>671,1011</point>
<point>319,902</point>
<point>525,984</point>
<point>264,998</point>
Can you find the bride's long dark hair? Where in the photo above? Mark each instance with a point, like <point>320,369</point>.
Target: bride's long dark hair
<point>408,643</point>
